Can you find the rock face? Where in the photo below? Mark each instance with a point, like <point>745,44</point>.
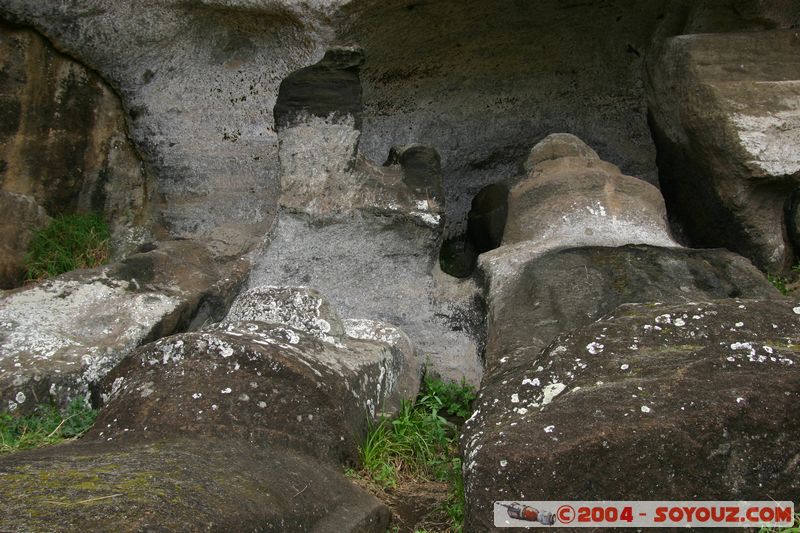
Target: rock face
<point>475,93</point>
<point>200,83</point>
<point>695,400</point>
<point>63,139</point>
<point>58,339</point>
<point>367,236</point>
<point>24,217</point>
<point>229,427</point>
<point>726,114</point>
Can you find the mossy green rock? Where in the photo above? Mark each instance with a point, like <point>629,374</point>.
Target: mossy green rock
<point>179,485</point>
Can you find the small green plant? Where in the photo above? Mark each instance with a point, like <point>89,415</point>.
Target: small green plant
<point>452,398</point>
<point>778,282</point>
<point>794,528</point>
<point>46,425</point>
<point>421,444</point>
<point>68,242</point>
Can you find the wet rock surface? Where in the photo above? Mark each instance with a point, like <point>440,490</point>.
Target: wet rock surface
<point>59,338</point>
<point>725,116</point>
<point>694,400</point>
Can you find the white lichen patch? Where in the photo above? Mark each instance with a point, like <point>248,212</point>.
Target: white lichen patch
<point>299,308</point>
<point>594,348</point>
<point>373,330</point>
<point>551,391</point>
<point>40,337</point>
<point>430,219</point>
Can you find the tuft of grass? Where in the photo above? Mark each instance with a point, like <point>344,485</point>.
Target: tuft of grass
<point>450,397</point>
<point>794,528</point>
<point>67,243</point>
<point>46,425</point>
<point>421,444</point>
<point>778,282</point>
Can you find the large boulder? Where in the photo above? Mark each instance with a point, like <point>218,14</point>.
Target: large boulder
<point>23,217</point>
<point>564,289</point>
<point>183,484</point>
<point>64,142</point>
<point>59,338</point>
<point>549,297</point>
<point>265,384</point>
<point>655,402</point>
<point>726,117</point>
<point>244,425</point>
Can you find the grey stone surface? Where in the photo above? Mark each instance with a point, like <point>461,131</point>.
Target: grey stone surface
<point>200,81</point>
<point>380,267</point>
<point>368,237</point>
<point>482,81</point>
<point>726,115</point>
<point>59,338</point>
<point>666,402</point>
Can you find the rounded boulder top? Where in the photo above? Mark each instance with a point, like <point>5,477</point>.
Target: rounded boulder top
<point>556,146</point>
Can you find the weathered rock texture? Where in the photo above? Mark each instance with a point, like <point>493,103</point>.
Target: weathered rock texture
<point>572,198</point>
<point>565,289</point>
<point>726,113</point>
<point>366,236</point>
<point>267,384</point>
<point>58,339</point>
<point>242,426</point>
<point>180,485</point>
<point>63,139</point>
<point>694,400</point>
<point>23,216</point>
<point>482,82</point>
<point>200,82</point>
